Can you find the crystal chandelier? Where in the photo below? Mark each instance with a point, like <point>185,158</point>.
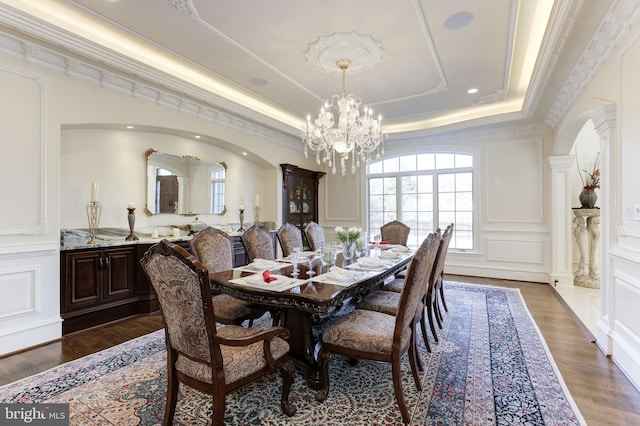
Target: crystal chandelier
<point>351,137</point>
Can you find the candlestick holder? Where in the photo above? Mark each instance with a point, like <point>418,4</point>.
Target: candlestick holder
<point>241,229</point>
<point>94,209</point>
<point>131,217</point>
<point>256,214</point>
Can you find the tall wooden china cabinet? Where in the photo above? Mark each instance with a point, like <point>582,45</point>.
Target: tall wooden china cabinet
<point>299,195</point>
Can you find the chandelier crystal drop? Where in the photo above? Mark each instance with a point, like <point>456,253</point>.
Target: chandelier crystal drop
<point>341,131</point>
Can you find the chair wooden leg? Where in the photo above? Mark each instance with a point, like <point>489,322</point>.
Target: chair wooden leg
<point>436,311</point>
<point>423,328</point>
<point>172,397</point>
<point>413,362</point>
<point>323,364</point>
<point>219,404</point>
<point>397,385</point>
<point>430,316</point>
<point>287,371</point>
<point>414,347</point>
<point>444,304</point>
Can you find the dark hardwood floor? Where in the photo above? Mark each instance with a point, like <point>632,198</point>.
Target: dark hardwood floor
<point>603,394</point>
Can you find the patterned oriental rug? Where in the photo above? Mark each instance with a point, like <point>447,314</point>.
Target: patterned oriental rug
<point>491,366</point>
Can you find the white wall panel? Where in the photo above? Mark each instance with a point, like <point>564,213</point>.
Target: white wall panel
<point>19,291</point>
<point>514,186</point>
<point>503,250</point>
<point>29,295</point>
<point>23,207</point>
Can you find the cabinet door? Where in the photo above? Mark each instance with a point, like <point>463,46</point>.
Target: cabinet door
<point>83,279</point>
<point>119,272</point>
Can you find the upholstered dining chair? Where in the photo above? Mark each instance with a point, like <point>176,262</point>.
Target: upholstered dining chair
<point>434,287</point>
<point>258,243</point>
<point>395,232</point>
<point>315,235</point>
<point>375,336</point>
<point>387,300</point>
<point>214,249</point>
<point>289,237</point>
<point>436,282</point>
<point>213,361</point>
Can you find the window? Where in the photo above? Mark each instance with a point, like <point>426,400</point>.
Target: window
<point>426,192</point>
<point>217,190</point>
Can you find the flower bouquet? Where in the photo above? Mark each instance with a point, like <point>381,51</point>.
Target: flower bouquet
<point>348,239</point>
<point>348,236</point>
<point>591,177</point>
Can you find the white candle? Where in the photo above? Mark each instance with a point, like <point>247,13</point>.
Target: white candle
<point>94,192</point>
<point>257,200</point>
<point>176,232</point>
<point>131,205</point>
<point>241,207</point>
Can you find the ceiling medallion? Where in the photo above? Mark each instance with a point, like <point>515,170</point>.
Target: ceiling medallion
<point>340,130</point>
<point>363,51</point>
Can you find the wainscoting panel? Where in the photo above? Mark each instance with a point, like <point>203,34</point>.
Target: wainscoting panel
<point>624,318</point>
<point>18,287</point>
<point>503,250</point>
<point>30,295</point>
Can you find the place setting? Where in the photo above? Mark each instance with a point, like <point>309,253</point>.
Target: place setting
<point>261,265</point>
<point>265,280</point>
<point>341,276</point>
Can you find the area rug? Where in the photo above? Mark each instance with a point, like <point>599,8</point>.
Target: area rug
<point>491,366</point>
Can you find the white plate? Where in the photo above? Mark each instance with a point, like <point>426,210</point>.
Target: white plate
<point>368,261</point>
<point>259,279</point>
<point>339,277</point>
<point>390,254</point>
<point>400,249</point>
<point>261,265</point>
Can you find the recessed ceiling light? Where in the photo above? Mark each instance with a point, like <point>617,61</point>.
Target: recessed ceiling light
<point>244,153</point>
<point>256,81</point>
<point>197,136</point>
<point>129,127</point>
<point>472,90</point>
<point>459,20</point>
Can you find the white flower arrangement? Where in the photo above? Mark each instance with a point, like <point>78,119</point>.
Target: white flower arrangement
<point>348,236</point>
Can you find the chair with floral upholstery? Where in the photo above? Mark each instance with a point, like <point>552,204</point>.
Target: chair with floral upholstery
<point>371,335</point>
<point>395,232</point>
<point>258,243</point>
<point>289,237</point>
<point>315,236</point>
<point>213,361</point>
<point>214,249</point>
<point>386,300</point>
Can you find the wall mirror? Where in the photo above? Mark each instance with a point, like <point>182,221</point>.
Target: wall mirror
<point>184,185</point>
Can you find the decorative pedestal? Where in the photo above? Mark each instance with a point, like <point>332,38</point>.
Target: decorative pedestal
<point>587,234</point>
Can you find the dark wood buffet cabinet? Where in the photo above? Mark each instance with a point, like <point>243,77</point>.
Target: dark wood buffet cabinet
<point>104,284</point>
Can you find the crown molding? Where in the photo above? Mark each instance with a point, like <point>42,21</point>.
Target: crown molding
<point>615,26</point>
<point>40,43</point>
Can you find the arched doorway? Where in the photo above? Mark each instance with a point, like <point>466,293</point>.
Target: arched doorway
<point>586,131</point>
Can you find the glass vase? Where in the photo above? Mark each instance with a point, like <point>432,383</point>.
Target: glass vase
<point>348,249</point>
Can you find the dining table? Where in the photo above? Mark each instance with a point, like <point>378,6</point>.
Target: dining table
<point>316,291</point>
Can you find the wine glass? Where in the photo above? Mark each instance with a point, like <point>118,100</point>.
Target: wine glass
<point>295,258</point>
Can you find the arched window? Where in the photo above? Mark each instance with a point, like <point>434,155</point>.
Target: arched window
<point>424,191</point>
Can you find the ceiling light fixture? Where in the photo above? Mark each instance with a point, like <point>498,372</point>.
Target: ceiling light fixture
<point>341,129</point>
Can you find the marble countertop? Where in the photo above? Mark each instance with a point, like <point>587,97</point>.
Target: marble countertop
<point>71,239</point>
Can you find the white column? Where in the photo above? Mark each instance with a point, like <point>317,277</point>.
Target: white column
<point>605,122</point>
<point>560,202</point>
